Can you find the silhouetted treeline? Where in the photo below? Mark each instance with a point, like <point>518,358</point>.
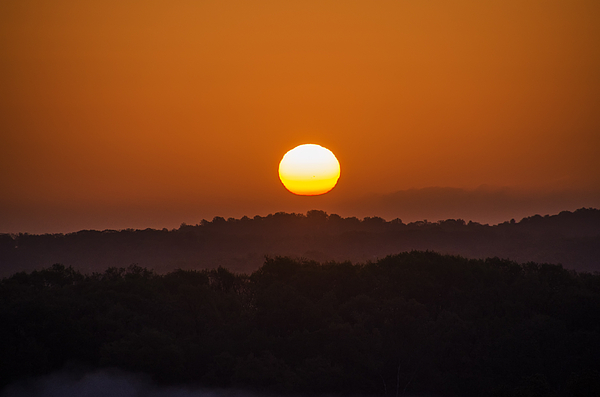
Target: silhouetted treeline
<point>569,238</point>
<point>412,323</point>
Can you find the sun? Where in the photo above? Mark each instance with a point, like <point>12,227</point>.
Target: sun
<point>309,170</point>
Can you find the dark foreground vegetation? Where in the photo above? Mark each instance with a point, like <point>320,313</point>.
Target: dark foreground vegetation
<point>569,238</point>
<point>411,323</point>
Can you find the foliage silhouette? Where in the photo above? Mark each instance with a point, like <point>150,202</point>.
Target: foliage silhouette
<point>416,322</point>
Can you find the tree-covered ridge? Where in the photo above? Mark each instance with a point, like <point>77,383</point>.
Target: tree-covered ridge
<point>569,238</point>
<point>416,322</point>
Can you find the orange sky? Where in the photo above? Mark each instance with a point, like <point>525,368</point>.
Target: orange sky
<point>178,111</point>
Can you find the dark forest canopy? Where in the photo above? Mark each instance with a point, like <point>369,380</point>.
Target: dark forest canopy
<point>412,323</point>
<point>569,238</point>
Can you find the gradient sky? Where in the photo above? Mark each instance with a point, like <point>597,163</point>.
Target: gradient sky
<point>120,113</point>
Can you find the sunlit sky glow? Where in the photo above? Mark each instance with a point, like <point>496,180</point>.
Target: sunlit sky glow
<point>126,113</point>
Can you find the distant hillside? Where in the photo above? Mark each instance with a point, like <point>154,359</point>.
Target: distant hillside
<point>568,238</point>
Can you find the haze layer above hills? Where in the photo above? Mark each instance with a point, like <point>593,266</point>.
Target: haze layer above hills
<point>484,204</point>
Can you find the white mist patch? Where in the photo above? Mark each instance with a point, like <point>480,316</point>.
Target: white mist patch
<point>107,383</point>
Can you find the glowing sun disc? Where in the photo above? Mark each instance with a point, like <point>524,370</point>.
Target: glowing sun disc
<point>309,170</point>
